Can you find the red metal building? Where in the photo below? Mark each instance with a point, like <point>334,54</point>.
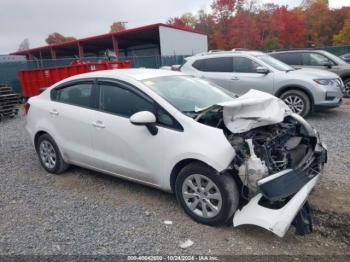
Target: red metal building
<point>150,40</point>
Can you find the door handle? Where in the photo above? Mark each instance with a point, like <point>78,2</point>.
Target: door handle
<point>235,78</point>
<point>54,112</point>
<point>98,124</point>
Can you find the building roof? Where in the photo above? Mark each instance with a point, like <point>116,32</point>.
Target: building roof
<point>144,34</point>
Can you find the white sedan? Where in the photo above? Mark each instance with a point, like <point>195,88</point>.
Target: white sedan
<point>248,159</point>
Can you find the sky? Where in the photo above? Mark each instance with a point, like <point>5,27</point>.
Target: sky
<point>36,19</point>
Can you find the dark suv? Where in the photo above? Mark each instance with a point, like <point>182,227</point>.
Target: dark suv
<point>312,58</point>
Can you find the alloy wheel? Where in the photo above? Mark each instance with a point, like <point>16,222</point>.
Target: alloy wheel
<point>47,154</point>
<point>295,103</point>
<point>201,196</point>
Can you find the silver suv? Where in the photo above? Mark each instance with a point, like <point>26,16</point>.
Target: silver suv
<point>302,90</point>
<point>312,58</point>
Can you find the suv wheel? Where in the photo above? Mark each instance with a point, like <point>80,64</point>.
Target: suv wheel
<point>49,155</point>
<point>297,101</point>
<point>347,87</point>
<point>206,196</point>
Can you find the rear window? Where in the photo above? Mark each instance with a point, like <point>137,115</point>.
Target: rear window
<point>78,94</point>
<point>215,64</point>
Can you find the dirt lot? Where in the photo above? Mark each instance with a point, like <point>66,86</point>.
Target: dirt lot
<point>84,212</point>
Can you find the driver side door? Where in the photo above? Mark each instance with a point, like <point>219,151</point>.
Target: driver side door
<point>316,60</point>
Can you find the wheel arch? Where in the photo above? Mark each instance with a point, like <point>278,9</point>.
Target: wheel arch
<point>181,164</point>
<point>345,76</point>
<point>296,87</point>
<point>37,135</point>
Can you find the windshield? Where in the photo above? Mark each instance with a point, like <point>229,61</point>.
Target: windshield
<point>277,64</point>
<point>336,59</point>
<point>188,94</point>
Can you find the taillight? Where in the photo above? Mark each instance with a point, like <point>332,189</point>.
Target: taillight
<point>26,108</point>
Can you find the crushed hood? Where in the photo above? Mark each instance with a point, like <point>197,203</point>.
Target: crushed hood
<point>251,110</point>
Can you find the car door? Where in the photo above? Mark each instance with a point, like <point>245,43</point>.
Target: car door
<point>216,69</point>
<point>123,148</point>
<point>71,111</point>
<point>246,77</point>
<point>316,60</point>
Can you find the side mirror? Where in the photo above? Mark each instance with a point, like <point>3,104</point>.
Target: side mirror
<point>327,64</point>
<point>262,70</point>
<point>145,118</point>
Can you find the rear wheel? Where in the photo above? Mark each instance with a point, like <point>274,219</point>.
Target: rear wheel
<point>206,196</point>
<point>297,101</point>
<point>49,155</point>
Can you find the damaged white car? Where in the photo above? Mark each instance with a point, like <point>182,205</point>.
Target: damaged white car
<point>246,160</point>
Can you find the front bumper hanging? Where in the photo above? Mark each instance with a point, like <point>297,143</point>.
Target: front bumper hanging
<point>292,188</point>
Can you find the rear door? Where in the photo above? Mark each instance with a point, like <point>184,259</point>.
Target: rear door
<point>293,59</point>
<point>71,114</point>
<point>246,77</point>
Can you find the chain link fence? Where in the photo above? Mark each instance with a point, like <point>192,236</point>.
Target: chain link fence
<point>8,70</point>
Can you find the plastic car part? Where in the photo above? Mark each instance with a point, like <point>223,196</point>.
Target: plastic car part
<point>275,220</point>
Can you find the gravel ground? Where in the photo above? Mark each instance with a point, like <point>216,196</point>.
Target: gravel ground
<point>84,212</point>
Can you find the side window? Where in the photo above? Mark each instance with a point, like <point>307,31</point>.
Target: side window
<point>215,64</point>
<point>244,65</point>
<point>164,118</point>
<point>289,58</point>
<point>117,100</point>
<point>199,64</point>
<point>121,101</point>
<point>314,59</point>
<point>76,94</point>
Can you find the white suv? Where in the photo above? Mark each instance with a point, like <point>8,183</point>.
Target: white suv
<point>302,90</point>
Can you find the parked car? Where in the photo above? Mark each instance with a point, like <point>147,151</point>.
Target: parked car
<point>321,59</point>
<point>249,160</point>
<point>346,57</point>
<point>302,90</point>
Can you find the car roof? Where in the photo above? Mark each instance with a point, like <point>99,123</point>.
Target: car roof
<point>297,51</point>
<point>135,73</point>
<point>225,53</point>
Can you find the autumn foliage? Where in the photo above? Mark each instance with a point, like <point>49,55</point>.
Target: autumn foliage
<point>57,38</point>
<point>247,24</point>
<point>117,27</point>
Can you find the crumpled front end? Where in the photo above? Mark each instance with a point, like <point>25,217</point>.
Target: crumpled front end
<point>281,198</point>
<point>279,159</point>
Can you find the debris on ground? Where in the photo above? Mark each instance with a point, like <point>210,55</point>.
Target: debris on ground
<point>186,244</point>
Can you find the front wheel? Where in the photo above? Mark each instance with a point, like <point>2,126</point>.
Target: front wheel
<point>206,196</point>
<point>297,101</point>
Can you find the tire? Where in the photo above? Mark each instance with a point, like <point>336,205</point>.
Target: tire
<point>49,155</point>
<point>347,87</point>
<point>224,192</point>
<point>297,101</point>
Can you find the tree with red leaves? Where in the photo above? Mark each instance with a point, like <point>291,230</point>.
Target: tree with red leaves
<point>287,27</point>
<point>187,21</point>
<point>57,38</point>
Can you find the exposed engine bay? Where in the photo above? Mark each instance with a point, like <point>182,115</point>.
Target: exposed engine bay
<point>266,150</point>
<point>276,164</point>
<point>278,158</point>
